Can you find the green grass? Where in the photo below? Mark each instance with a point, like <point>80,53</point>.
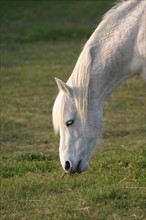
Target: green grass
<point>40,40</point>
<point>35,20</point>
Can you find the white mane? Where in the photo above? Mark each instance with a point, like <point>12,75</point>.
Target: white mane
<point>80,77</point>
<point>79,81</point>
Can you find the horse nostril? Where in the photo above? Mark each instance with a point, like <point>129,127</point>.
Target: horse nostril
<point>67,165</point>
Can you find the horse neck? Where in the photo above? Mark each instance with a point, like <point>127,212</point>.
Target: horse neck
<point>113,54</point>
<point>102,85</point>
<point>108,74</point>
<point>112,64</point>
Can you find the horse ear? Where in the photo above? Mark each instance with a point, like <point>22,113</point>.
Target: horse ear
<point>64,87</point>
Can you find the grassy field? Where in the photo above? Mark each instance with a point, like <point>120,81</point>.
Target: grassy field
<point>40,40</point>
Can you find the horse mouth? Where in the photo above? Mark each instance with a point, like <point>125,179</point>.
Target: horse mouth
<point>79,168</point>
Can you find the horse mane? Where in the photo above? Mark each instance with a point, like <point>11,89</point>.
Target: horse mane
<point>79,81</point>
<point>80,77</point>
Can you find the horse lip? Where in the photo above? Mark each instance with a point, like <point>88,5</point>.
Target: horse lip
<point>77,169</point>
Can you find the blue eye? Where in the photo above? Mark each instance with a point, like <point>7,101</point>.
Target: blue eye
<point>70,122</point>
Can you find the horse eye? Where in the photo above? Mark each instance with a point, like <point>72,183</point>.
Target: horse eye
<point>70,122</point>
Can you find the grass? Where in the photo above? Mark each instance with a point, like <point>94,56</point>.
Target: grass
<point>44,20</point>
<point>40,40</point>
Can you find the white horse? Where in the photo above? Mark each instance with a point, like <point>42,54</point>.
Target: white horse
<point>114,52</point>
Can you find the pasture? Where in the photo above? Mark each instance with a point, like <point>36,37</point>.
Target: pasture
<point>40,40</point>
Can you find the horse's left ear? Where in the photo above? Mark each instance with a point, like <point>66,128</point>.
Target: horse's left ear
<point>64,87</point>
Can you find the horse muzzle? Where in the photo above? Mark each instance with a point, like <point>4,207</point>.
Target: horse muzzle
<point>77,167</point>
